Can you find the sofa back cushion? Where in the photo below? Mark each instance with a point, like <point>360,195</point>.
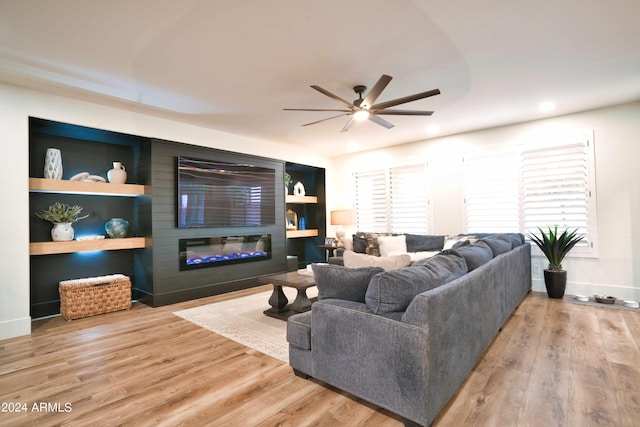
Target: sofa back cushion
<point>356,260</point>
<point>338,282</point>
<point>498,244</point>
<point>475,255</point>
<point>424,243</point>
<point>393,291</point>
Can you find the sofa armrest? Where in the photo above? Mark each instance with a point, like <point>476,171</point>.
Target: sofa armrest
<point>381,360</point>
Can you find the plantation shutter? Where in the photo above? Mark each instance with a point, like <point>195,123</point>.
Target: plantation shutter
<point>409,203</point>
<point>491,194</point>
<point>556,189</point>
<point>371,200</point>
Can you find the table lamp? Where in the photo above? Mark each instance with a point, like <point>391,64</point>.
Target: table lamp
<point>340,218</point>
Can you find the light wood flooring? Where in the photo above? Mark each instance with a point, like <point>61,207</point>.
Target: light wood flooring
<point>553,364</point>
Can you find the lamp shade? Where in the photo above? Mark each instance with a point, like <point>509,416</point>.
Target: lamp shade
<point>342,217</point>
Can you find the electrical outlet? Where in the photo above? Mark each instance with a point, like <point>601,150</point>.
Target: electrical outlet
<point>536,269</point>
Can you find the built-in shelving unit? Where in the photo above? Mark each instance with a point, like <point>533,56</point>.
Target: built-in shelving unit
<point>304,243</point>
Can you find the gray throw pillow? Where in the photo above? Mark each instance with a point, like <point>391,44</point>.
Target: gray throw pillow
<point>393,291</point>
<point>424,243</point>
<point>475,255</point>
<point>359,244</point>
<point>338,282</point>
<point>498,245</point>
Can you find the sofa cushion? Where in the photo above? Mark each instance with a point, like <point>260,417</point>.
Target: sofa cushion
<point>392,245</point>
<point>498,244</point>
<point>475,255</point>
<point>338,282</point>
<point>393,291</point>
<point>356,260</point>
<point>516,239</point>
<point>424,243</point>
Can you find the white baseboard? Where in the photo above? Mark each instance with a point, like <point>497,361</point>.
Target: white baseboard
<point>15,328</point>
<point>582,288</point>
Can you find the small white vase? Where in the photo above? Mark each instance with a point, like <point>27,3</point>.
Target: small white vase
<point>62,232</point>
<point>117,175</point>
<point>53,164</point>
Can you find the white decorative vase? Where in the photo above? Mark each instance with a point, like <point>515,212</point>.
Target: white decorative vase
<point>117,175</point>
<point>53,164</point>
<point>62,232</point>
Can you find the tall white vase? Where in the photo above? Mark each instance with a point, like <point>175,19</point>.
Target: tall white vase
<point>53,164</point>
<point>117,175</point>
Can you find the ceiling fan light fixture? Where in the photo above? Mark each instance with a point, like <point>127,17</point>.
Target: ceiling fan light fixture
<point>361,115</point>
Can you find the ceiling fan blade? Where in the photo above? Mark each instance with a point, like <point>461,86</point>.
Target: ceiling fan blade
<point>316,109</point>
<point>375,91</point>
<point>404,100</point>
<point>348,125</point>
<point>380,121</point>
<point>324,120</point>
<point>332,96</point>
<point>405,112</point>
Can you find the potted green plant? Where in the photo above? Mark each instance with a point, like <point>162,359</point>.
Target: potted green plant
<point>61,216</point>
<point>555,246</point>
<point>287,180</point>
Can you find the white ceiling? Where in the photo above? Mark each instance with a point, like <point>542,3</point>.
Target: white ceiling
<point>234,65</point>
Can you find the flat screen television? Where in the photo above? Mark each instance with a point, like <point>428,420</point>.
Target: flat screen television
<point>221,194</point>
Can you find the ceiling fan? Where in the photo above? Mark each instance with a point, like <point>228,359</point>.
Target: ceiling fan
<point>364,108</point>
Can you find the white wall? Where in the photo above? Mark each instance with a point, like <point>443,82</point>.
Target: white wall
<point>616,271</point>
<point>16,105</point>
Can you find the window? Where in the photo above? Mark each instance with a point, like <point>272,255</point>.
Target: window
<point>558,188</point>
<point>392,200</point>
<point>520,188</point>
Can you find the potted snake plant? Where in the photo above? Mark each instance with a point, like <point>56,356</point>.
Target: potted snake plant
<point>61,216</point>
<point>555,246</point>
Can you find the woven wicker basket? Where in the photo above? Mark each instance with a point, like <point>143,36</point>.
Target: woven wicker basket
<point>94,295</point>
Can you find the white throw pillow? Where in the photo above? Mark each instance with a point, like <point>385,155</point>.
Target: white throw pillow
<point>347,243</point>
<point>392,245</point>
<point>355,260</point>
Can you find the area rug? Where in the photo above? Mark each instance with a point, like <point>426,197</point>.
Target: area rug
<point>242,320</point>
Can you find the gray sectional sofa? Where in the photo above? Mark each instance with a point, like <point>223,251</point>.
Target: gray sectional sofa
<point>406,339</point>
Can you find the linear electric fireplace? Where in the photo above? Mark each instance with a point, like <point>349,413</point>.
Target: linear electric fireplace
<point>204,252</point>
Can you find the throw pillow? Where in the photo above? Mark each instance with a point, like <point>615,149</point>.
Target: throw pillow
<point>372,247</point>
<point>356,260</point>
<point>475,255</point>
<point>347,243</point>
<point>359,243</point>
<point>392,245</point>
<point>424,243</point>
<point>335,281</point>
<point>393,291</point>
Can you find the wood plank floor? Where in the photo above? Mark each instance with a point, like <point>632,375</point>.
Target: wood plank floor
<point>553,364</point>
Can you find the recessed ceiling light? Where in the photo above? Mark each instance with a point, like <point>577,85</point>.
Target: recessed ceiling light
<point>547,106</point>
<point>433,128</point>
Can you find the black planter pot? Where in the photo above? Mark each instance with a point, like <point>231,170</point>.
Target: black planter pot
<point>556,282</point>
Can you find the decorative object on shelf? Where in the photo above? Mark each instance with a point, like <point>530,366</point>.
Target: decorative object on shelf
<point>555,246</point>
<point>340,218</point>
<point>631,304</point>
<point>287,180</point>
<point>298,189</point>
<point>291,220</point>
<point>61,216</point>
<point>582,298</point>
<point>117,175</point>
<point>302,224</point>
<point>94,178</point>
<point>53,164</point>
<point>117,228</point>
<point>79,176</point>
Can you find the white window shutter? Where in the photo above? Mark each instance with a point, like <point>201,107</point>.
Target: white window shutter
<point>409,203</point>
<point>371,201</point>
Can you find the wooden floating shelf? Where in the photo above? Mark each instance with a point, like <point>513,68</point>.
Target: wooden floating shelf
<point>49,248</point>
<point>63,186</point>
<point>301,199</point>
<point>291,234</point>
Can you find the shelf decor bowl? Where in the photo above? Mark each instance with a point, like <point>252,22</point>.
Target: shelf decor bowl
<point>605,299</point>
